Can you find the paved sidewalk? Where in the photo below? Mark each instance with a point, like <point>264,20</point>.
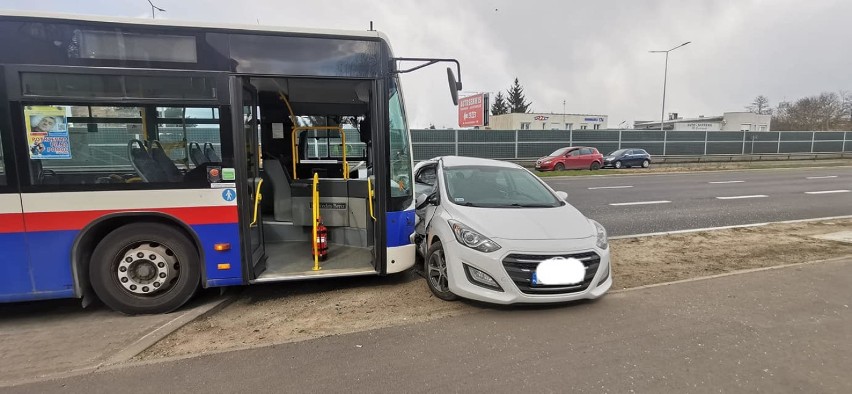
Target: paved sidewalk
<point>45,338</point>
<point>779,330</point>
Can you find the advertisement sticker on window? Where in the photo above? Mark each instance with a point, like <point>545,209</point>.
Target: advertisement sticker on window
<point>47,132</point>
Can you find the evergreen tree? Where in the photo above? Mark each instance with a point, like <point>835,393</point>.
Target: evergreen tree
<point>499,106</point>
<point>517,102</point>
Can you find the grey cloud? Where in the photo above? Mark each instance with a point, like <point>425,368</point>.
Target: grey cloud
<point>592,54</point>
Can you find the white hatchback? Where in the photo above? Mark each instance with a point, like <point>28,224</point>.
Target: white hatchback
<point>492,231</point>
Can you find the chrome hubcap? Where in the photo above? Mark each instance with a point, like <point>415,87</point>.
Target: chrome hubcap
<point>147,268</point>
<point>438,271</point>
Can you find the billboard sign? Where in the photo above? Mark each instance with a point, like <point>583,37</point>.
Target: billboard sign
<point>473,110</point>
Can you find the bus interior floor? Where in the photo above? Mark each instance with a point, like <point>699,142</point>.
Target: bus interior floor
<point>293,260</point>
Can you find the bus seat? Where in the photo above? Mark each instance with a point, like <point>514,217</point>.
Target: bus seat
<point>164,161</point>
<point>196,154</point>
<point>210,153</point>
<point>38,173</point>
<point>281,193</point>
<point>142,162</point>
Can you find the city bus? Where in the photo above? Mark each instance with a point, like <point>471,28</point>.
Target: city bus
<point>143,160</point>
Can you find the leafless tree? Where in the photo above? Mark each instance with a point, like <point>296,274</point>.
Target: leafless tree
<point>760,106</point>
<point>827,111</point>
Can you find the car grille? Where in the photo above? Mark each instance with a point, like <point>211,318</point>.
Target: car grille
<point>520,268</point>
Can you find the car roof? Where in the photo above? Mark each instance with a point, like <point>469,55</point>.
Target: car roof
<point>454,161</point>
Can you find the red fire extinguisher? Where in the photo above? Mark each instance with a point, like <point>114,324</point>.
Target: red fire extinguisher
<point>322,240</point>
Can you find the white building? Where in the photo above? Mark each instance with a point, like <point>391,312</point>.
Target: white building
<point>729,121</point>
<point>551,121</point>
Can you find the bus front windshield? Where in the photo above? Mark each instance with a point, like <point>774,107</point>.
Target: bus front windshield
<point>400,150</point>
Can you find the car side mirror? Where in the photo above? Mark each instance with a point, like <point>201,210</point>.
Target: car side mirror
<point>562,195</point>
<point>423,200</point>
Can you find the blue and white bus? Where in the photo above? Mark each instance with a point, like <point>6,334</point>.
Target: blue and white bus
<point>143,160</point>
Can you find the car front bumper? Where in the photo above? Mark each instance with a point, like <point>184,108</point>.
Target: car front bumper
<point>495,265</point>
<point>544,166</point>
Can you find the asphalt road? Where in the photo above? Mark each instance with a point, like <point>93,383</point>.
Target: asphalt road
<point>668,202</point>
<point>779,330</point>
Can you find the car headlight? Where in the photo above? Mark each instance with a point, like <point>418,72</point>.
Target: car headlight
<point>601,235</point>
<point>472,239</point>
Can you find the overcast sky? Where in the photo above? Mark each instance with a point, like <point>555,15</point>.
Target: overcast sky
<point>591,54</point>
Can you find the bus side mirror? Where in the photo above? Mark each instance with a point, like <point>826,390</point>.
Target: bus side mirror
<point>455,87</point>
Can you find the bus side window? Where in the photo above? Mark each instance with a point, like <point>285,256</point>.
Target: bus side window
<point>117,144</point>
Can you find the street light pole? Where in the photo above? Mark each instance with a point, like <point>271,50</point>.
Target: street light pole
<point>665,78</point>
<point>153,7</point>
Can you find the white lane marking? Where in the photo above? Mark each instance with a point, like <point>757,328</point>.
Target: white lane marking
<point>742,197</point>
<point>618,204</point>
<point>821,177</point>
<point>609,187</point>
<point>828,192</point>
<point>720,182</point>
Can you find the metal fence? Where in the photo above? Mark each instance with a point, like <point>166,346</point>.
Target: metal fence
<point>528,144</point>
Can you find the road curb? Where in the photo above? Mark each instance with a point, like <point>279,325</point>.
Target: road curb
<point>165,330</point>
<point>140,345</point>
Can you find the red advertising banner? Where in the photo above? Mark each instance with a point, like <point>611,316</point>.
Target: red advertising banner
<point>472,110</point>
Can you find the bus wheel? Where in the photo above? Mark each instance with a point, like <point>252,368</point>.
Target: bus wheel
<point>436,273</point>
<point>145,268</point>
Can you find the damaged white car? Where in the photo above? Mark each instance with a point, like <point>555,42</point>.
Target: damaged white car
<point>492,231</point>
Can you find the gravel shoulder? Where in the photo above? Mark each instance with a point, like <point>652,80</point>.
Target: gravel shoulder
<point>289,312</point>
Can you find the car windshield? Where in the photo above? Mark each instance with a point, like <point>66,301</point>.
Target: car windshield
<point>559,152</point>
<point>617,153</point>
<point>497,187</point>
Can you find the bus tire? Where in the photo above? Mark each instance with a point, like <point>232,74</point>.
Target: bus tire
<point>145,268</point>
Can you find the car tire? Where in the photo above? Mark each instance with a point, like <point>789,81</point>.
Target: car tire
<point>595,166</point>
<point>559,167</point>
<point>646,164</point>
<point>618,164</point>
<point>145,268</point>
<point>436,273</point>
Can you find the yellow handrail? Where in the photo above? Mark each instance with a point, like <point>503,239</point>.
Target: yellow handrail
<point>295,151</point>
<point>315,216</point>
<point>292,130</point>
<point>343,144</point>
<point>294,136</point>
<point>257,198</point>
<point>370,197</point>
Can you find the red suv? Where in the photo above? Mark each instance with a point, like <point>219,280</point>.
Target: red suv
<point>571,158</point>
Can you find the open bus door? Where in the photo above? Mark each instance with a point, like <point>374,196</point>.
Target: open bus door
<point>247,166</point>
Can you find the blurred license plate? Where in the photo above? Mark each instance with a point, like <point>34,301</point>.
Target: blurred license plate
<point>559,271</point>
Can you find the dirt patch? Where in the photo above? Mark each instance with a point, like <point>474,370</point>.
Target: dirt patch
<point>649,260</point>
<point>289,312</point>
